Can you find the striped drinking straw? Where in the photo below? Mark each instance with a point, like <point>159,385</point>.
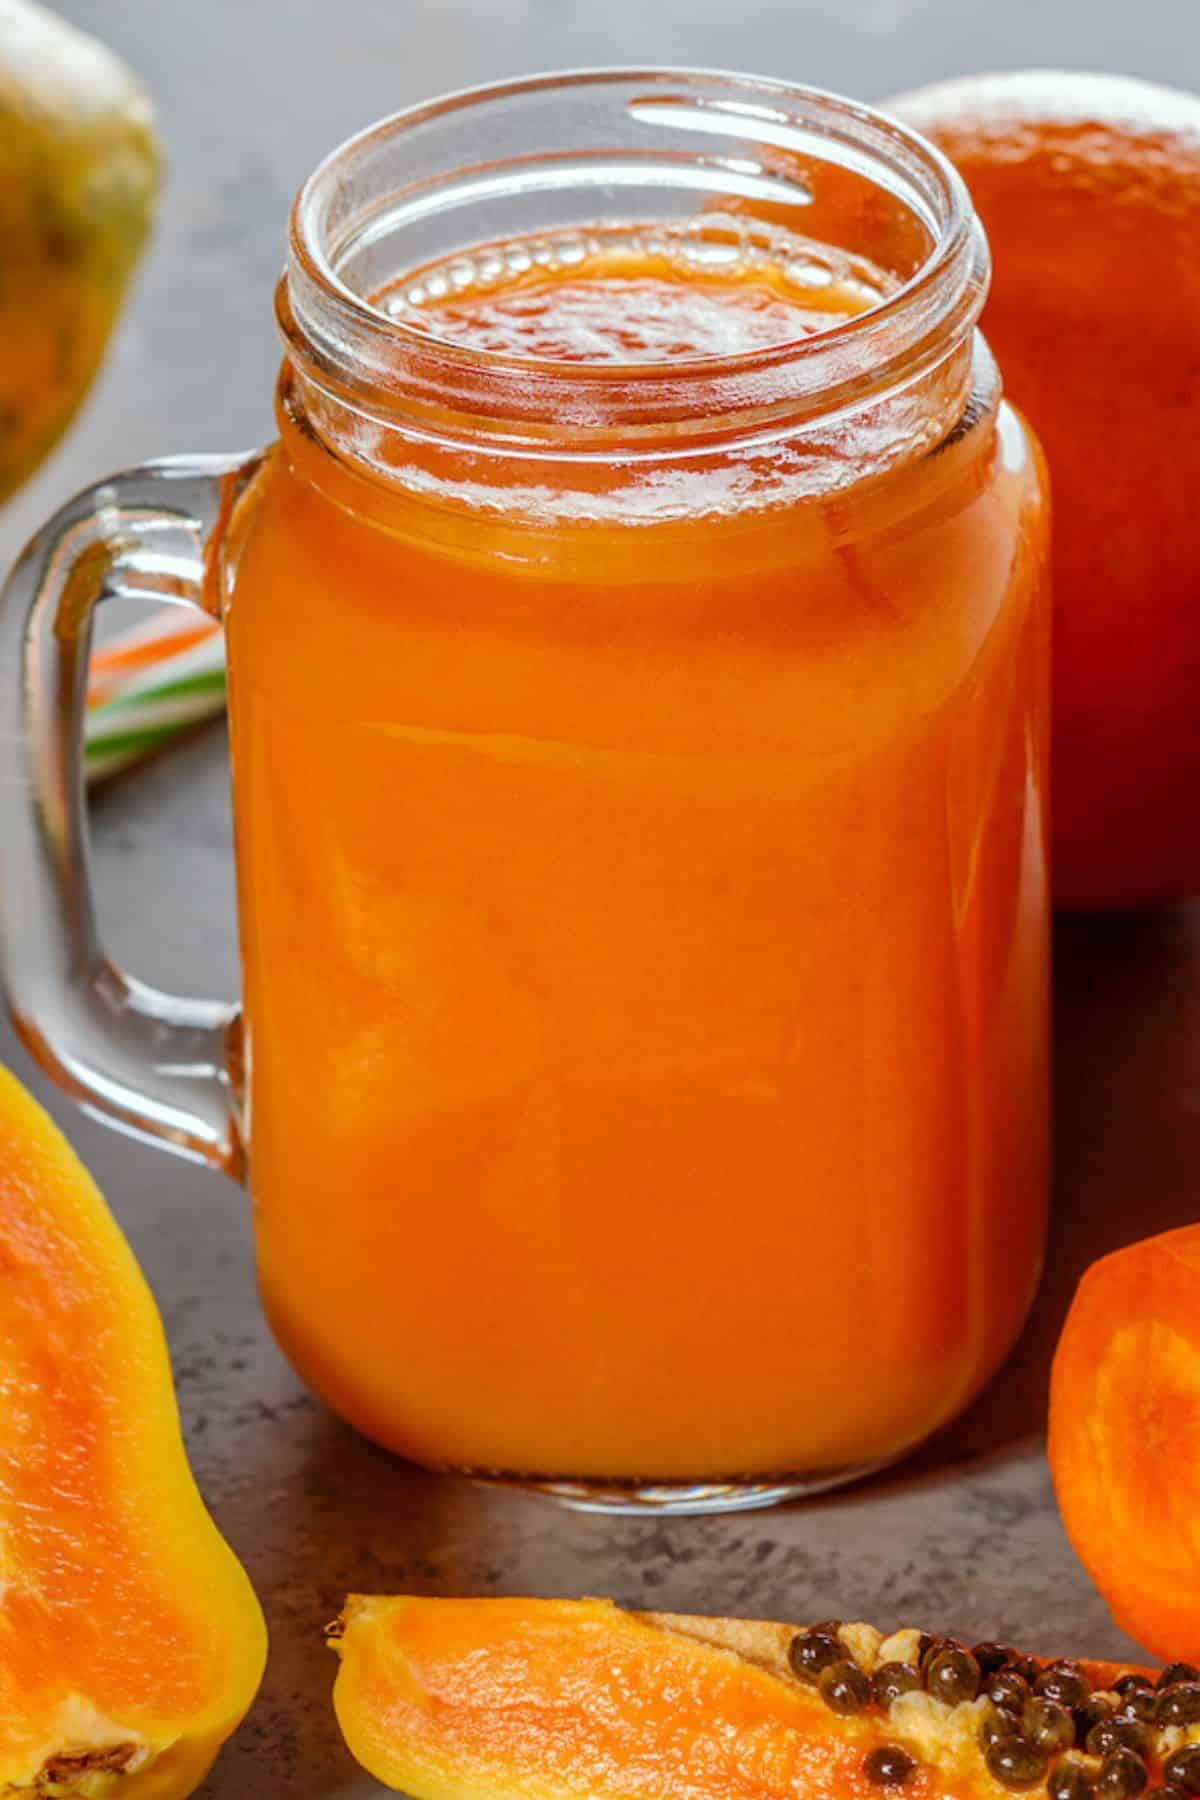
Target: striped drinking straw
<point>148,685</point>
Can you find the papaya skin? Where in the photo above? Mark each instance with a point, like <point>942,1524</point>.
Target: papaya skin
<point>79,175</point>
<point>1124,1437</point>
<point>550,1699</point>
<point>131,1642</point>
<point>1088,187</point>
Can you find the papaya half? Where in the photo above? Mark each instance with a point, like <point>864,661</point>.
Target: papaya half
<point>79,176</point>
<point>131,1642</point>
<point>553,1699</point>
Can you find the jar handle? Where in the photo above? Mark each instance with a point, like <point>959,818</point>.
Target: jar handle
<point>155,1065</point>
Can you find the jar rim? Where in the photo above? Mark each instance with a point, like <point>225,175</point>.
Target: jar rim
<point>358,196</point>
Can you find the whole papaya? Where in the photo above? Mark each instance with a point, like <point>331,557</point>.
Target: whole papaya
<point>1088,187</point>
<point>79,175</point>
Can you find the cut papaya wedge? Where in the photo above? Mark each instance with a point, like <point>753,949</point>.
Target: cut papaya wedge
<point>131,1642</point>
<point>557,1699</point>
<point>1124,1437</point>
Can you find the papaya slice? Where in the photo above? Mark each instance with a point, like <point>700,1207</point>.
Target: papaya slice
<point>131,1642</point>
<point>554,1699</point>
<point>1124,1437</point>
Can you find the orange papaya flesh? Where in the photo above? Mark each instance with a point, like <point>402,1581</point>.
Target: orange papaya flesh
<point>1124,1437</point>
<point>131,1642</point>
<point>552,1699</point>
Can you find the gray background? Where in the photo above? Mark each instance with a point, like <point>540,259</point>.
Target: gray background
<point>966,1538</point>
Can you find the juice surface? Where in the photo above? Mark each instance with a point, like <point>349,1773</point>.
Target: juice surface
<point>638,295</point>
<point>644,924</point>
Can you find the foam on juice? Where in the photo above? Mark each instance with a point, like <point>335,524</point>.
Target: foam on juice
<point>640,293</point>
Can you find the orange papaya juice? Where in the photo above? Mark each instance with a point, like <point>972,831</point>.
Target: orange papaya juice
<point>644,934</point>
<point>638,690</point>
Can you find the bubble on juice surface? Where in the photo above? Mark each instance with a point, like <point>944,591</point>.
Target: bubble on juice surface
<point>711,285</point>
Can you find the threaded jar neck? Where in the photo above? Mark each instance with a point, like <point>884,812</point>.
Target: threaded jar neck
<point>541,159</point>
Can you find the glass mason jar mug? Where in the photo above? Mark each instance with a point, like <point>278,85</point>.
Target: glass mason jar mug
<point>638,695</point>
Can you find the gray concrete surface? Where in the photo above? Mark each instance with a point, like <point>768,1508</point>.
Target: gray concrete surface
<point>966,1537</point>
